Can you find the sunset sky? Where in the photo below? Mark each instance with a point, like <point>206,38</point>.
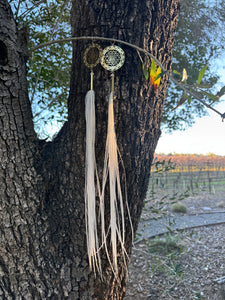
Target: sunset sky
<point>207,135</point>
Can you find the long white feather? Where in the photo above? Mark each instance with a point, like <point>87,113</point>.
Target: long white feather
<point>90,176</point>
<point>111,170</point>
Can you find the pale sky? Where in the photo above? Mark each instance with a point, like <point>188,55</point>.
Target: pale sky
<point>208,133</point>
<point>205,136</point>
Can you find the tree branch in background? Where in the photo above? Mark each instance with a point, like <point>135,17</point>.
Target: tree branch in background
<point>187,89</point>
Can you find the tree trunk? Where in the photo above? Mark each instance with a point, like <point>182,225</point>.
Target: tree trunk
<point>43,251</point>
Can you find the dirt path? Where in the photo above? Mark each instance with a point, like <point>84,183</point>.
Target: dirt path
<point>151,228</point>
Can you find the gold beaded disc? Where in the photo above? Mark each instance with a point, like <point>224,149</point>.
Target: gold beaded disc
<point>92,55</point>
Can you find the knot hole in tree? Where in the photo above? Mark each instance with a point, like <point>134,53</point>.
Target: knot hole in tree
<point>3,54</point>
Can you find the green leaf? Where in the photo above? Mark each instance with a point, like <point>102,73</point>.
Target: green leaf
<point>152,72</point>
<point>154,211</point>
<point>191,234</point>
<point>160,75</point>
<point>204,86</point>
<point>181,101</point>
<point>221,92</point>
<point>169,229</point>
<point>189,99</point>
<point>209,95</point>
<point>145,71</point>
<point>176,72</point>
<point>201,73</point>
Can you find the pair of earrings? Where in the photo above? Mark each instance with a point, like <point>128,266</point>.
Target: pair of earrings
<point>111,58</point>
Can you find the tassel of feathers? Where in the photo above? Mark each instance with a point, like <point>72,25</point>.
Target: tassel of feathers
<point>111,171</point>
<point>111,174</point>
<point>90,179</point>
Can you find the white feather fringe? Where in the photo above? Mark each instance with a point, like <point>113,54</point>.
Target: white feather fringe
<point>90,176</point>
<point>111,170</point>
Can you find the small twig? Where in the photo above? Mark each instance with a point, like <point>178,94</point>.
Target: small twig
<point>17,10</point>
<point>26,12</point>
<point>196,95</point>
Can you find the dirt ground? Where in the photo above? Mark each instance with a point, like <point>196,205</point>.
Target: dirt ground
<point>184,265</point>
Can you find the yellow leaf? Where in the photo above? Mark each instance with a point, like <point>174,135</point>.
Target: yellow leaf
<point>157,81</point>
<point>155,74</point>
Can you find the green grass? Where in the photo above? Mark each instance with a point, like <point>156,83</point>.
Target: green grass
<point>179,208</point>
<point>221,204</point>
<point>165,245</point>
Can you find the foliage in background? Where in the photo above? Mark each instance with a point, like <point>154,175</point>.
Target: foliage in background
<point>179,207</point>
<point>199,40</point>
<point>165,253</point>
<point>158,198</point>
<point>48,68</point>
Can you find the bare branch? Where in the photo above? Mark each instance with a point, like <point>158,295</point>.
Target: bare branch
<point>198,96</point>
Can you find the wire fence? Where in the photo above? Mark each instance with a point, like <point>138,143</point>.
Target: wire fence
<point>192,181</point>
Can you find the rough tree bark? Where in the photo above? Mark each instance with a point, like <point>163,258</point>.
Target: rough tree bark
<point>42,226</point>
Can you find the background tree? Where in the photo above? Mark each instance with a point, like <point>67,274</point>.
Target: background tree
<point>48,68</point>
<point>42,233</point>
<point>199,39</point>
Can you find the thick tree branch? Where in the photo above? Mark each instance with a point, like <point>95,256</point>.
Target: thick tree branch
<point>43,245</point>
